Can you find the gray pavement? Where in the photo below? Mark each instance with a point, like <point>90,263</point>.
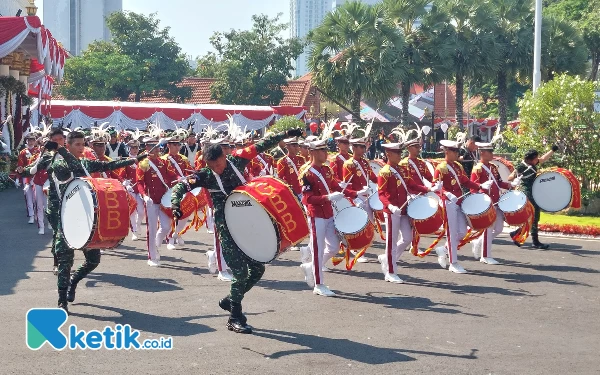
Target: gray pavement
<point>537,313</point>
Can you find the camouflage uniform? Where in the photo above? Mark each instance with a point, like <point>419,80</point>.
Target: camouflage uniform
<point>63,167</point>
<point>246,272</point>
<point>529,173</point>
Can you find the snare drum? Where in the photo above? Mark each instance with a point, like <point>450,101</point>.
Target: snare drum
<point>514,206</point>
<point>374,201</point>
<point>94,213</point>
<point>264,218</point>
<point>355,229</point>
<point>188,204</point>
<point>200,194</point>
<point>376,166</point>
<point>552,191</point>
<point>426,214</point>
<point>479,211</point>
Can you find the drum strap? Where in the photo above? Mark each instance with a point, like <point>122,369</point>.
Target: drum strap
<point>264,163</point>
<point>412,163</point>
<point>320,176</point>
<point>176,166</point>
<point>341,157</point>
<point>357,163</point>
<point>291,163</point>
<point>529,167</point>
<point>455,175</point>
<point>220,183</point>
<point>160,176</point>
<point>490,175</point>
<point>395,172</point>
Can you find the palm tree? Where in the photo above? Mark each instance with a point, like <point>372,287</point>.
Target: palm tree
<point>514,35</point>
<point>413,18</point>
<point>468,42</point>
<point>563,49</point>
<point>355,54</point>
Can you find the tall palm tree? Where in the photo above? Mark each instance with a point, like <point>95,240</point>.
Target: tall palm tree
<point>514,36</point>
<point>355,54</point>
<point>413,18</point>
<point>563,48</point>
<point>468,42</point>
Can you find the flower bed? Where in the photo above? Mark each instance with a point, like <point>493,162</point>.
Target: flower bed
<point>571,229</point>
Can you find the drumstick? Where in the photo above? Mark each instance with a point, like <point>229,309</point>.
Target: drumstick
<point>347,183</point>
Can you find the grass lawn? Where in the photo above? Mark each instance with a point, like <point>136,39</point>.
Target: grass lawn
<point>547,218</point>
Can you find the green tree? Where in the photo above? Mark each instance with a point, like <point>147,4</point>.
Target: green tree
<point>563,49</point>
<point>287,123</point>
<point>562,111</point>
<point>355,54</point>
<point>590,27</point>
<point>207,66</point>
<point>251,66</point>
<point>468,42</point>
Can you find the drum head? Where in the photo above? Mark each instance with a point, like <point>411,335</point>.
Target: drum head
<point>552,191</point>
<point>351,220</point>
<point>342,204</point>
<point>196,191</point>
<point>251,227</point>
<point>165,201</point>
<point>77,213</point>
<point>512,201</point>
<point>375,166</point>
<point>422,207</point>
<point>476,203</point>
<point>375,203</point>
<point>502,169</point>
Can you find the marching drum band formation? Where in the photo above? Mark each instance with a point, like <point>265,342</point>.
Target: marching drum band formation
<point>96,189</point>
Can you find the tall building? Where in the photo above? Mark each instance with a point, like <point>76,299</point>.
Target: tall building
<point>77,23</point>
<point>306,15</point>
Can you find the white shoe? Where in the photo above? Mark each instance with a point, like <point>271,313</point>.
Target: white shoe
<point>210,231</point>
<point>442,258</point>
<point>489,260</point>
<point>134,237</point>
<point>212,261</point>
<point>456,268</point>
<point>305,254</point>
<point>171,247</point>
<point>225,276</point>
<point>101,252</point>
<point>384,264</point>
<point>393,278</point>
<point>362,259</point>
<point>41,231</point>
<point>322,290</point>
<point>307,268</point>
<point>420,252</point>
<point>153,263</point>
<point>179,241</point>
<point>31,220</point>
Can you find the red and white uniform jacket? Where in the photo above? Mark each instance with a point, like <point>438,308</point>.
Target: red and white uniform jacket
<point>177,165</point>
<point>262,161</point>
<point>314,191</point>
<point>417,168</point>
<point>362,172</point>
<point>288,169</point>
<point>449,180</point>
<point>338,164</point>
<point>481,174</point>
<point>148,181</point>
<point>129,172</point>
<point>116,174</point>
<point>24,158</point>
<point>392,184</point>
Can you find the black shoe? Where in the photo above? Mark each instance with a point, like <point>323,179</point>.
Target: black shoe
<point>71,292</point>
<point>225,304</point>
<point>537,244</point>
<point>235,320</point>
<point>62,301</point>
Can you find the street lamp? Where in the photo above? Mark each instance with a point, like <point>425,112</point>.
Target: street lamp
<point>31,9</point>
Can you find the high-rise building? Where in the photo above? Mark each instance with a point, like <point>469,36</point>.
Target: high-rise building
<point>77,23</point>
<point>306,15</point>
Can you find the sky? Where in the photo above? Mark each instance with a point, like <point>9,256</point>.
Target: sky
<point>193,22</point>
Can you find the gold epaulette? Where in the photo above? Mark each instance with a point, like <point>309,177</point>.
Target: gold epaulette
<point>144,165</point>
<point>403,162</point>
<point>442,167</point>
<point>164,157</point>
<point>303,169</point>
<point>348,163</point>
<point>385,171</point>
<point>183,157</point>
<point>478,167</point>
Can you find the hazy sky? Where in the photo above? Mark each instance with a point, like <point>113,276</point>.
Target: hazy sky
<point>193,22</point>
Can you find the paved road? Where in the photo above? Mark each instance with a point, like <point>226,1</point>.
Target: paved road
<point>537,313</point>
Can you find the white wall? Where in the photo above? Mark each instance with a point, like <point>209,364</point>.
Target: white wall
<point>9,8</point>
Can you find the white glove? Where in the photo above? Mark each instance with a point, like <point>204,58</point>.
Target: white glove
<point>363,192</point>
<point>436,187</point>
<point>396,211</point>
<point>334,197</point>
<point>486,185</point>
<point>343,185</point>
<point>148,200</point>
<point>33,170</point>
<point>17,184</point>
<point>451,197</point>
<point>516,181</point>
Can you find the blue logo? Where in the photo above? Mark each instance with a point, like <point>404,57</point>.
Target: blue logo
<point>43,325</point>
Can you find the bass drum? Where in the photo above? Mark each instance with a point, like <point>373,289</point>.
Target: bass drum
<point>552,191</point>
<point>505,168</point>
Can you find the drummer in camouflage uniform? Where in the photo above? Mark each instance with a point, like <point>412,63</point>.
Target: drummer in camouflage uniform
<point>222,175</point>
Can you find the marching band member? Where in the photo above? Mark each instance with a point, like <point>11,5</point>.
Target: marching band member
<point>452,175</point>
<point>179,166</point>
<point>482,172</point>
<point>525,174</point>
<point>262,165</point>
<point>153,181</point>
<point>304,152</point>
<point>114,149</point>
<point>358,172</point>
<point>190,148</point>
<point>98,143</point>
<point>337,165</point>
<point>288,166</point>
<point>128,175</point>
<point>468,152</point>
<point>320,191</point>
<point>222,175</point>
<point>22,161</point>
<point>395,186</point>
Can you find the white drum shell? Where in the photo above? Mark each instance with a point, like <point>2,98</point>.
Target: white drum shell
<point>552,191</point>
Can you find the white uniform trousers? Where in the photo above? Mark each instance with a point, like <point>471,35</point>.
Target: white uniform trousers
<point>456,230</point>
<point>159,225</point>
<point>210,220</point>
<point>398,236</point>
<point>325,243</point>
<point>221,264</point>
<point>136,217</point>
<point>483,244</point>
<point>179,227</point>
<point>28,192</point>
<point>41,202</point>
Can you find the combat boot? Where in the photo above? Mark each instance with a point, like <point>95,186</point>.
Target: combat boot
<point>225,304</point>
<point>235,324</point>
<point>537,244</point>
<point>62,300</point>
<point>71,291</point>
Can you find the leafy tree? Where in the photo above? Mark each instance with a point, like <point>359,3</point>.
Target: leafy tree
<point>563,49</point>
<point>355,54</point>
<point>562,110</point>
<point>251,66</point>
<point>287,123</point>
<point>590,27</point>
